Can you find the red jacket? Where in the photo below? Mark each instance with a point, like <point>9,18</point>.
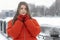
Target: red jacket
<point>19,31</point>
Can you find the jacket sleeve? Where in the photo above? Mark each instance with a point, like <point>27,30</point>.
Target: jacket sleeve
<point>33,27</point>
<point>14,31</point>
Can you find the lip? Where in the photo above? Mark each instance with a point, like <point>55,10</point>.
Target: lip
<point>22,13</point>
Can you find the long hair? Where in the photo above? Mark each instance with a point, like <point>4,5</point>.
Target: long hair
<point>17,13</point>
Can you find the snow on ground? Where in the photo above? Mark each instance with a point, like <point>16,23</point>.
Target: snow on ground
<point>2,37</point>
<point>51,21</point>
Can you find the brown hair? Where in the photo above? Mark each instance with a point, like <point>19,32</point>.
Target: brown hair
<point>17,13</point>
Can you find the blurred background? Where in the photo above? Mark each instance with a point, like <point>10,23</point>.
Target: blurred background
<point>46,12</point>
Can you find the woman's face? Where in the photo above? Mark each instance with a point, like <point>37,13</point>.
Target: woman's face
<point>22,10</point>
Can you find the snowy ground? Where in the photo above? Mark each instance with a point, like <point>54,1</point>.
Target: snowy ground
<point>51,21</point>
<point>2,37</point>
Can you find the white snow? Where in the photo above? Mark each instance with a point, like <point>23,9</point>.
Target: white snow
<point>48,21</point>
<point>2,37</point>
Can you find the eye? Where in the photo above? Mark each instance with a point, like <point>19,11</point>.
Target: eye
<point>21,8</point>
<point>25,8</point>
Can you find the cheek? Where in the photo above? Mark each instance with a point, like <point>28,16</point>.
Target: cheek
<point>20,11</point>
<point>25,11</point>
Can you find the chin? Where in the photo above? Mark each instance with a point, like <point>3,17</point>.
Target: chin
<point>23,14</point>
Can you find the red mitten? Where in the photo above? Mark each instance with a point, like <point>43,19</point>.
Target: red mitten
<point>26,17</point>
<point>20,17</point>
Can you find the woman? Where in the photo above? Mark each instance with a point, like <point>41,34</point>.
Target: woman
<point>22,26</point>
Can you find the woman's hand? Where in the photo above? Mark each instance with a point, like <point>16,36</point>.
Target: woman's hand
<point>20,17</point>
<point>23,18</point>
<point>26,17</point>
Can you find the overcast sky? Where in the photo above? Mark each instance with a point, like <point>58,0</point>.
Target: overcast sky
<point>12,4</point>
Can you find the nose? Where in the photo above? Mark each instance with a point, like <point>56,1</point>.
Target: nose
<point>23,10</point>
